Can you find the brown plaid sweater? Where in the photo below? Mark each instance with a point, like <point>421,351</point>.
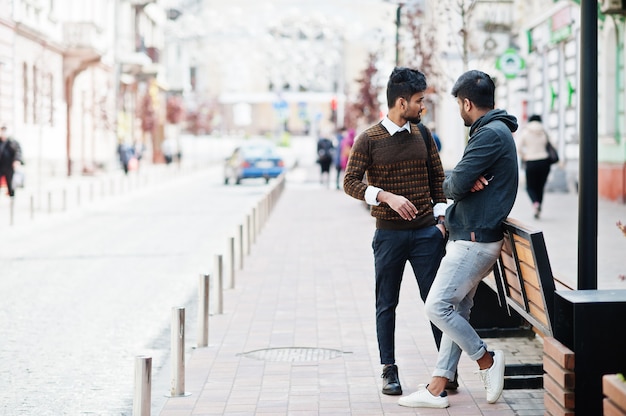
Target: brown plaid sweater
<point>396,164</point>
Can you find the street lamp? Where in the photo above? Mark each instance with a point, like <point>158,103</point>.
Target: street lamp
<point>398,23</point>
<point>399,6</point>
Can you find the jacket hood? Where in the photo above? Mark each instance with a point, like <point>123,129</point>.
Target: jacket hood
<point>495,115</point>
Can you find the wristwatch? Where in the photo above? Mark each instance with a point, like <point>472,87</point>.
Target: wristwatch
<point>441,220</point>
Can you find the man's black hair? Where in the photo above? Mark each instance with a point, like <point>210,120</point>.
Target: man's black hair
<point>404,82</point>
<point>477,87</point>
<point>534,117</point>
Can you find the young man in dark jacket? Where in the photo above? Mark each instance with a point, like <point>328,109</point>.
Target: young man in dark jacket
<point>10,158</point>
<point>483,187</point>
<point>407,201</point>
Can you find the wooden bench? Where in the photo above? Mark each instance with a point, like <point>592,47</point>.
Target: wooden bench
<point>523,279</point>
<point>524,284</point>
<point>582,334</point>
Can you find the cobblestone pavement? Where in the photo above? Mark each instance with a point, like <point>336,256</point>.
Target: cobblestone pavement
<point>83,292</point>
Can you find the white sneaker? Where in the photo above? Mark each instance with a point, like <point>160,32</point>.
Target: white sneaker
<point>423,398</point>
<point>493,377</point>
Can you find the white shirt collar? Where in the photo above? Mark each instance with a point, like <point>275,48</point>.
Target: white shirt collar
<point>393,128</point>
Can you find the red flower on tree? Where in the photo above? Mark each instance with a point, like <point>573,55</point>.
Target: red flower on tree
<point>174,111</point>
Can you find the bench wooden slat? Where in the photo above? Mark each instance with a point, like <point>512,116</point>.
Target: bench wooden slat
<point>555,409</point>
<point>565,378</point>
<point>530,275</point>
<point>512,279</point>
<point>524,252</point>
<point>517,296</point>
<point>614,388</point>
<point>535,296</point>
<point>508,261</point>
<point>562,355</point>
<point>610,409</point>
<point>564,398</point>
<point>538,313</point>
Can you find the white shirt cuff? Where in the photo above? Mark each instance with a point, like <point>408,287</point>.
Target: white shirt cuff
<point>370,195</point>
<point>440,209</point>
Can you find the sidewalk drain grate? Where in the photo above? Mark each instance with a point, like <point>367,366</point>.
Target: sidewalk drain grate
<point>293,354</point>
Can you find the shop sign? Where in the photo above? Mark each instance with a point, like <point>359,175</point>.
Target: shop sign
<point>561,25</point>
<point>510,63</point>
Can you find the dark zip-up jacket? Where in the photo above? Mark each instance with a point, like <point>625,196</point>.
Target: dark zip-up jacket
<point>491,152</point>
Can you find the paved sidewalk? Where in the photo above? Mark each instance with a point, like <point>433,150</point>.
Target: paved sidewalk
<point>297,336</point>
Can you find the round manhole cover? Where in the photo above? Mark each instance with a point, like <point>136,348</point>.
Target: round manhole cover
<point>293,354</point>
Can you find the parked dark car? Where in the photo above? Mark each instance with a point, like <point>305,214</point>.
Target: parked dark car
<point>254,159</point>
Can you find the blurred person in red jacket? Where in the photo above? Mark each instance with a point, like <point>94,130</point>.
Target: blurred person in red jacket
<point>10,158</point>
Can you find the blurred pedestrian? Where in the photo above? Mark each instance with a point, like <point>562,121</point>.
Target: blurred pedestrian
<point>483,187</point>
<point>531,147</point>
<point>346,147</point>
<point>404,177</point>
<point>127,157</point>
<point>341,134</point>
<point>168,149</point>
<point>325,151</point>
<point>10,159</point>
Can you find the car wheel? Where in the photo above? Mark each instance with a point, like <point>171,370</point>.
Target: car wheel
<point>226,180</point>
<point>238,181</point>
<point>267,180</point>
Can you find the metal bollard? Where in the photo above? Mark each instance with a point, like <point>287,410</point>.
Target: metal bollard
<point>91,192</point>
<point>11,209</point>
<point>218,284</point>
<point>78,195</point>
<point>64,193</point>
<point>143,386</point>
<point>261,215</point>
<point>240,246</point>
<point>254,225</point>
<point>248,234</point>
<point>231,270</point>
<point>32,207</point>
<point>49,202</point>
<point>178,352</point>
<point>203,310</point>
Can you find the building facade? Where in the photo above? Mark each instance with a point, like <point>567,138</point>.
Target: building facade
<point>71,76</point>
<point>543,48</point>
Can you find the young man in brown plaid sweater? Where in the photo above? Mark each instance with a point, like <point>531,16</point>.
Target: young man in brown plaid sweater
<point>404,189</point>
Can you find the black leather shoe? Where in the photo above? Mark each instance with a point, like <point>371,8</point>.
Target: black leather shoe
<point>453,384</point>
<point>391,383</point>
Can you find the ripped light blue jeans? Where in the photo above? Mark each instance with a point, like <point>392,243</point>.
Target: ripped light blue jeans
<point>451,298</point>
